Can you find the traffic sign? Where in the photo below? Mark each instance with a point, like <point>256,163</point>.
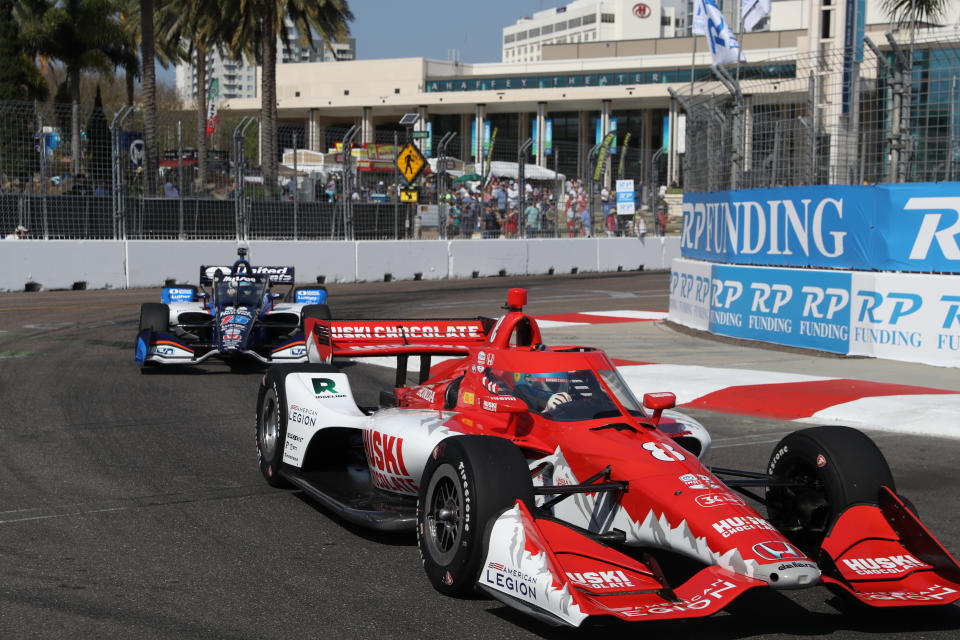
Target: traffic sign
<point>410,162</point>
<point>408,195</point>
<point>416,135</point>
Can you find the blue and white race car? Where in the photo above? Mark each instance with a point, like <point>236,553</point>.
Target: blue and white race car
<point>240,316</point>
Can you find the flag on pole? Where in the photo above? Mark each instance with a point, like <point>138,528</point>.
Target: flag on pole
<point>212,106</point>
<point>698,25</point>
<point>753,11</point>
<point>723,44</point>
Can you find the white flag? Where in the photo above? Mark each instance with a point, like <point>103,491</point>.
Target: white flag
<point>698,24</point>
<point>723,45</point>
<point>753,11</point>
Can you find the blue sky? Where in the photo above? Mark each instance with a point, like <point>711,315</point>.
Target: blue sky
<point>430,28</point>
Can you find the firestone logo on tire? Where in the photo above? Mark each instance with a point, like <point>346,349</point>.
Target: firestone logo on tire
<point>641,10</point>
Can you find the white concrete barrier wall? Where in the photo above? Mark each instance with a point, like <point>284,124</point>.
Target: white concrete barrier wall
<point>57,264</point>
<point>336,261</point>
<point>487,257</point>
<point>401,259</point>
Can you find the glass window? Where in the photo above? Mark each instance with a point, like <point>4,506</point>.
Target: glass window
<point>607,17</point>
<point>590,19</point>
<point>522,35</point>
<point>547,29</point>
<point>560,26</point>
<point>240,290</point>
<point>573,22</point>
<point>507,39</point>
<point>533,33</point>
<point>565,396</point>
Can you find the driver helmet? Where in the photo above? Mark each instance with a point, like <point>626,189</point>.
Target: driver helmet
<point>552,382</point>
<point>247,289</point>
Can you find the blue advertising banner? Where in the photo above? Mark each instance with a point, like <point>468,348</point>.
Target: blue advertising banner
<point>799,308</point>
<point>905,227</point>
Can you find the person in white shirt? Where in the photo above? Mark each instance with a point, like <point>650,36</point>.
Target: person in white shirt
<point>20,233</point>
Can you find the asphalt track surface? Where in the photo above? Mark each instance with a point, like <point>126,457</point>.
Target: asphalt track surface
<point>132,507</point>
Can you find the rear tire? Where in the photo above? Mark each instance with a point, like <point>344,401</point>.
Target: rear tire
<point>838,466</point>
<point>468,481</point>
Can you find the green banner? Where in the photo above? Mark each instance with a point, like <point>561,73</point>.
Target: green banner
<point>623,155</point>
<point>493,138</point>
<point>602,154</point>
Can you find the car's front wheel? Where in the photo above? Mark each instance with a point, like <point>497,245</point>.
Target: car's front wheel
<point>271,426</point>
<point>828,469</point>
<point>468,481</point>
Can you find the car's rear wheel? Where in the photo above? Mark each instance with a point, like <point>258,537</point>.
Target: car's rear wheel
<point>831,468</point>
<point>468,481</point>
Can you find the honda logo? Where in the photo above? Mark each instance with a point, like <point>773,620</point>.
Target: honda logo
<point>776,550</point>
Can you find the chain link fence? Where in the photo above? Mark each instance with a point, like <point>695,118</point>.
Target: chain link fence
<point>827,119</point>
<point>69,173</point>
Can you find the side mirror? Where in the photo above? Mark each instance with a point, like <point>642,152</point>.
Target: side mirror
<point>658,402</point>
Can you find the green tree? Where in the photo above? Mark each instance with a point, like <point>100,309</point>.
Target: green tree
<point>255,28</point>
<point>81,34</point>
<point>910,12</point>
<point>20,82</point>
<point>99,161</point>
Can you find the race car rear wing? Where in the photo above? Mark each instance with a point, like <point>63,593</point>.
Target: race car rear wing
<point>328,339</point>
<point>277,275</point>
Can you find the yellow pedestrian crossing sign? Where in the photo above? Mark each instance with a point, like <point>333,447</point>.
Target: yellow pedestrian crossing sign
<point>410,162</point>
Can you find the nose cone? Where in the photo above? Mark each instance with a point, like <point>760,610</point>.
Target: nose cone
<point>789,574</point>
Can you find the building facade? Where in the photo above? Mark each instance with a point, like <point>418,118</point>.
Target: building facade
<point>577,92</point>
<point>238,79</point>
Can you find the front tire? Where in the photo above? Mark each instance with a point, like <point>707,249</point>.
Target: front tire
<point>154,316</point>
<point>271,421</point>
<point>271,426</point>
<point>837,467</point>
<point>468,481</point>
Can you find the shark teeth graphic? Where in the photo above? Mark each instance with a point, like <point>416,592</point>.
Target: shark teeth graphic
<point>508,542</point>
<point>586,511</point>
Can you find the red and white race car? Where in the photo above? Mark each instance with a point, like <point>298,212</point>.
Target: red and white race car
<point>533,473</point>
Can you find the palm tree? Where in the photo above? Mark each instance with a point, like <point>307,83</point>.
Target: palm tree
<point>909,12</point>
<point>256,27</point>
<point>197,27</point>
<point>82,35</point>
<point>149,76</point>
<point>167,52</point>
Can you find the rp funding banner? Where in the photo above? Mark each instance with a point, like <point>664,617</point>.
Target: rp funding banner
<point>911,227</point>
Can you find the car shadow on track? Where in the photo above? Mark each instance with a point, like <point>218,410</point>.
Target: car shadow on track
<point>763,612</point>
<point>388,538</point>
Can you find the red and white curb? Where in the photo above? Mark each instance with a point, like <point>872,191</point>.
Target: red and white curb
<point>812,399</point>
<point>551,321</point>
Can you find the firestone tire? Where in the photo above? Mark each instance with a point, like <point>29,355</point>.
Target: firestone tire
<point>468,481</point>
<point>271,421</point>
<point>154,316</point>
<point>271,428</point>
<point>838,466</point>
